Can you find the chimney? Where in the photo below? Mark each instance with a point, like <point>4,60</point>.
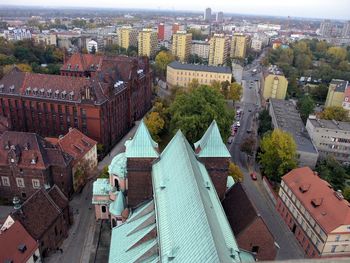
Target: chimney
<point>16,203</point>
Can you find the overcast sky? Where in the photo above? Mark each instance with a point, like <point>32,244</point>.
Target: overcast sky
<point>338,9</point>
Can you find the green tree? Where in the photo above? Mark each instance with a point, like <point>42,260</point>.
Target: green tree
<point>306,106</point>
<point>333,172</point>
<point>335,113</point>
<point>162,60</point>
<point>132,51</point>
<point>192,112</point>
<point>104,173</point>
<point>235,172</point>
<point>278,154</point>
<point>155,124</point>
<point>265,122</point>
<point>248,145</point>
<point>235,91</point>
<point>346,193</point>
<point>337,54</point>
<point>319,93</point>
<point>197,34</point>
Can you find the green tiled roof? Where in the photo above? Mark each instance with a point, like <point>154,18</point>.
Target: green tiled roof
<point>230,182</point>
<point>246,257</point>
<point>125,238</point>
<point>142,145</point>
<point>118,205</point>
<point>118,166</point>
<point>192,226</point>
<point>101,187</point>
<point>211,143</point>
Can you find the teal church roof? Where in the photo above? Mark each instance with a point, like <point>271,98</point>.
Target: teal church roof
<point>192,225</point>
<point>118,205</point>
<point>101,187</point>
<point>230,182</point>
<point>211,144</point>
<point>142,145</point>
<point>118,166</point>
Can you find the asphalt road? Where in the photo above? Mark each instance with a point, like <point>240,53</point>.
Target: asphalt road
<point>289,248</point>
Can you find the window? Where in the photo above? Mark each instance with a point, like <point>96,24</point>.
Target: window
<point>36,183</point>
<point>5,181</point>
<point>20,182</point>
<point>24,195</point>
<point>255,249</point>
<point>334,247</point>
<point>337,238</point>
<point>103,209</point>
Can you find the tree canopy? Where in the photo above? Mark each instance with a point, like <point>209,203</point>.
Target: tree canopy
<point>155,124</point>
<point>193,111</point>
<point>162,60</point>
<point>306,106</point>
<point>265,122</point>
<point>278,154</point>
<point>335,113</point>
<point>235,172</point>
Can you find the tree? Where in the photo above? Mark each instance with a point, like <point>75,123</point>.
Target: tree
<point>155,124</point>
<point>265,122</point>
<point>235,172</point>
<point>346,193</point>
<point>278,154</point>
<point>193,112</point>
<point>248,145</point>
<point>306,106</point>
<point>335,113</point>
<point>319,93</point>
<point>162,60</point>
<point>333,172</point>
<point>104,173</point>
<point>132,51</point>
<point>337,54</point>
<point>22,67</point>
<point>194,84</point>
<point>235,92</point>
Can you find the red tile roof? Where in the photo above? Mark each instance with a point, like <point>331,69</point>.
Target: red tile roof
<point>39,212</point>
<point>319,199</point>
<point>11,239</point>
<point>83,62</point>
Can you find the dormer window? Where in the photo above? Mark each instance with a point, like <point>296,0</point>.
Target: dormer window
<point>42,91</point>
<point>71,95</point>
<point>63,94</point>
<point>57,92</point>
<point>28,90</point>
<point>35,91</point>
<point>12,88</point>
<point>76,67</point>
<point>1,87</point>
<point>49,93</point>
<point>69,66</point>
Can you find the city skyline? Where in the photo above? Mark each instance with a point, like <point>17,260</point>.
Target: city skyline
<point>320,9</point>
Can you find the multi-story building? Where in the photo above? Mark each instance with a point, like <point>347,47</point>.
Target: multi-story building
<point>285,116</point>
<point>92,46</point>
<point>331,138</point>
<point>47,39</point>
<point>159,185</point>
<point>147,43</point>
<point>29,162</point>
<point>84,153</point>
<point>103,106</point>
<point>220,17</point>
<point>207,14</point>
<point>16,34</point>
<point>239,46</point>
<point>256,44</point>
<point>127,36</point>
<point>219,50</point>
<point>161,32</point>
<point>336,93</point>
<point>179,74</point>
<point>181,47</point>
<point>317,215</point>
<point>274,84</point>
<point>326,28</point>
<point>200,48</point>
<point>346,29</point>
<point>176,27</point>
<point>346,103</point>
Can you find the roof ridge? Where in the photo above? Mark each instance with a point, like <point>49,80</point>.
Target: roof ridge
<point>52,201</point>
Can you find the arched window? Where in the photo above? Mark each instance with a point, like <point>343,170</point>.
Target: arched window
<point>116,183</point>
<point>103,208</point>
<point>114,223</point>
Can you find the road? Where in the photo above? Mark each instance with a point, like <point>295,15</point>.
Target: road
<point>250,103</point>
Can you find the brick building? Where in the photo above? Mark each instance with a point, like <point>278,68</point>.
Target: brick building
<point>317,215</point>
<point>248,226</point>
<point>46,217</point>
<point>29,162</point>
<point>100,96</point>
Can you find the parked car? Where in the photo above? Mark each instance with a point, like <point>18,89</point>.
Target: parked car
<point>230,140</point>
<point>238,124</point>
<point>253,176</point>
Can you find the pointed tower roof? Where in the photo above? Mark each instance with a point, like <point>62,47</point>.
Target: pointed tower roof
<point>211,144</point>
<point>118,205</point>
<point>142,145</point>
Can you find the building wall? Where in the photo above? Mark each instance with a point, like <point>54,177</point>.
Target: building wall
<point>184,77</point>
<point>37,254</point>
<point>238,46</point>
<point>258,236</point>
<point>334,98</point>
<point>181,47</point>
<point>256,44</point>
<point>200,49</point>
<point>45,39</point>
<point>218,52</point>
<point>147,43</point>
<point>330,142</point>
<point>127,37</point>
<point>275,86</point>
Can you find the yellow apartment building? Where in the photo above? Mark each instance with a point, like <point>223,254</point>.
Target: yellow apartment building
<point>147,42</point>
<point>127,36</point>
<point>238,46</point>
<point>274,84</point>
<point>181,47</point>
<point>181,74</point>
<point>218,50</point>
<point>336,93</point>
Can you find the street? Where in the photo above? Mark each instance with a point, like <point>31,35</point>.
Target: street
<point>289,248</point>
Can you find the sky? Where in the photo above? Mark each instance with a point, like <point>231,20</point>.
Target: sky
<point>336,9</point>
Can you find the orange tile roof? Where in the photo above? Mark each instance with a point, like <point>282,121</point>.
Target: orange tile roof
<point>82,62</point>
<point>11,238</point>
<point>319,199</point>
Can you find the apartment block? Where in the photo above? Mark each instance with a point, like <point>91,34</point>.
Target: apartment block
<point>274,84</point>
<point>317,215</point>
<point>127,36</point>
<point>180,74</point>
<point>181,47</point>
<point>238,46</point>
<point>219,48</point>
<point>147,43</point>
<point>331,138</point>
<point>286,117</point>
<point>336,92</point>
<point>200,48</point>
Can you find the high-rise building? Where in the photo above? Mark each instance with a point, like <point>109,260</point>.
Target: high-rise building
<point>336,92</point>
<point>219,48</point>
<point>238,46</point>
<point>274,84</point>
<point>326,28</point>
<point>220,17</point>
<point>181,47</point>
<point>161,31</point>
<point>200,48</point>
<point>147,43</point>
<point>207,14</point>
<point>127,36</point>
<point>346,30</point>
<point>177,27</point>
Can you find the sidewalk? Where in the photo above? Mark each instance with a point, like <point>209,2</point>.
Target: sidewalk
<point>118,148</point>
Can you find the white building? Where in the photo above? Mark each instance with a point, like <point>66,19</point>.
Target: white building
<point>90,45</point>
<point>200,48</point>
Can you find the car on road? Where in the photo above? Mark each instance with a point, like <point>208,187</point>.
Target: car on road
<point>250,110</point>
<point>230,140</point>
<point>238,124</point>
<point>253,176</point>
